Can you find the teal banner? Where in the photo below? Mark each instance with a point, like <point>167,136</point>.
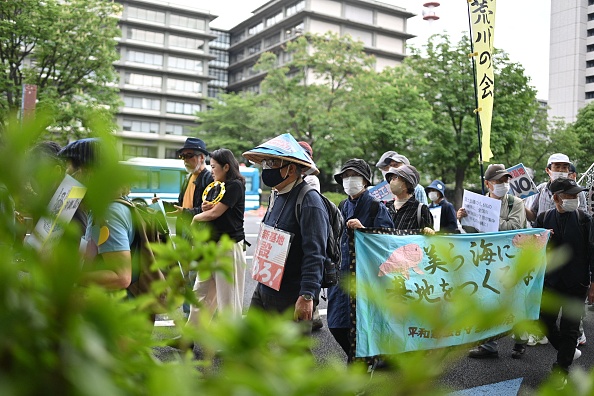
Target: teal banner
<point>432,270</point>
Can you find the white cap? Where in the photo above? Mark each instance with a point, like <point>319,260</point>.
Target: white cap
<point>558,157</point>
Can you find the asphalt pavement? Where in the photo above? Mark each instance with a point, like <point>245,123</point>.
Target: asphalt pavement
<point>502,376</point>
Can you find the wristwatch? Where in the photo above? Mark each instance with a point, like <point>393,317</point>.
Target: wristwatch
<point>307,297</point>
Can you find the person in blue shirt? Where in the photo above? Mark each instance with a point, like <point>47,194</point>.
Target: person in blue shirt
<point>359,210</point>
<point>436,193</point>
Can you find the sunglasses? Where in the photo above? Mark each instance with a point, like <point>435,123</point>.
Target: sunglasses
<point>187,156</point>
<point>271,163</point>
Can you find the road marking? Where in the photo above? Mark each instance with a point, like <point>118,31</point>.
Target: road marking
<point>170,323</point>
<point>251,235</point>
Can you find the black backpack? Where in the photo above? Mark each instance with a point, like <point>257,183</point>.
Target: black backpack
<point>331,274</point>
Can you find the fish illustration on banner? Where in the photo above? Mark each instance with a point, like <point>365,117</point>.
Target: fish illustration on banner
<point>431,270</point>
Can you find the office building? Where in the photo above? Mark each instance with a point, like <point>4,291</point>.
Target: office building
<point>571,59</point>
<point>164,75</point>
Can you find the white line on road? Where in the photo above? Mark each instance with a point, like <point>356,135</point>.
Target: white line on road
<point>251,235</point>
<point>169,323</point>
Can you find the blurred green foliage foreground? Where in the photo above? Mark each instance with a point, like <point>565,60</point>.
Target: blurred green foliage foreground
<point>59,338</point>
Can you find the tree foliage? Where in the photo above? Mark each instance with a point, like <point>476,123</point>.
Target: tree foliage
<point>452,149</point>
<point>581,130</point>
<point>65,48</point>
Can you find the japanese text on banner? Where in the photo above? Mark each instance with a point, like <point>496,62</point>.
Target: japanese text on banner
<point>270,256</point>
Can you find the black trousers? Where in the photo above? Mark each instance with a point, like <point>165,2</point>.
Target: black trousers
<point>564,337</point>
<point>266,302</point>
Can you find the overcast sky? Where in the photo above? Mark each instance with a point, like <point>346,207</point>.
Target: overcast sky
<point>521,27</point>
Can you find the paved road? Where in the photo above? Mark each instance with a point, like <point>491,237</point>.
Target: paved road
<point>526,374</point>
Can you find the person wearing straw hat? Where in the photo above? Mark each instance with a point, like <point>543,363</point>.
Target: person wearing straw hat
<point>283,162</point>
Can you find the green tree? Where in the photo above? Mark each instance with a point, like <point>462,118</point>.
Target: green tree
<point>581,130</point>
<point>66,48</point>
<point>452,149</point>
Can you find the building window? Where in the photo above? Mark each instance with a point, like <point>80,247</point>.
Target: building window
<point>187,22</point>
<point>295,8</point>
<point>273,20</point>
<point>140,126</point>
<point>186,42</point>
<point>257,28</point>
<point>590,32</point>
<point>219,76</point>
<point>174,84</point>
<point>182,108</point>
<point>590,2</point>
<point>254,48</point>
<point>589,79</point>
<point>146,35</point>
<point>272,40</point>
<point>254,88</point>
<point>147,15</point>
<point>136,102</point>
<point>237,56</point>
<point>222,58</point>
<point>130,151</point>
<point>236,77</point>
<point>178,129</point>
<point>223,40</point>
<point>144,57</point>
<point>590,63</point>
<point>589,95</point>
<point>143,80</point>
<point>361,35</point>
<point>590,48</point>
<point>171,153</point>
<point>236,38</point>
<point>358,14</point>
<point>175,62</point>
<point>294,31</point>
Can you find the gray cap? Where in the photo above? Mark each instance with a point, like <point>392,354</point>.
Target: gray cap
<point>496,172</point>
<point>407,172</point>
<point>390,156</point>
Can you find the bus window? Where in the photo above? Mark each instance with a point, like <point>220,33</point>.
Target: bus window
<point>155,183</point>
<point>141,180</point>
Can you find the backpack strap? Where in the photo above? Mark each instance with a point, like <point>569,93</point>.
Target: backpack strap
<point>419,214</point>
<point>304,190</point>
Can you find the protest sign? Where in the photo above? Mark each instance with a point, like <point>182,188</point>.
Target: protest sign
<point>270,256</point>
<point>433,271</point>
<point>483,212</point>
<point>436,213</point>
<point>382,192</point>
<point>521,184</point>
<point>61,209</point>
<point>590,193</point>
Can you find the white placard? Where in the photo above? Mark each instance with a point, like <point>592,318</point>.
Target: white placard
<point>61,209</point>
<point>436,213</point>
<point>270,256</point>
<point>483,212</point>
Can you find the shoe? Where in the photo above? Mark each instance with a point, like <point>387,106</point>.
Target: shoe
<point>581,340</point>
<point>481,353</point>
<point>317,323</point>
<point>534,339</point>
<point>577,354</point>
<point>518,351</point>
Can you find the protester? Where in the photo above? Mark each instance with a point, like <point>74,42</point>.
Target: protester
<point>436,193</point>
<point>511,217</point>
<point>391,159</point>
<point>216,292</point>
<point>571,282</point>
<point>300,286</point>
<point>314,182</point>
<point>359,210</point>
<point>406,211</point>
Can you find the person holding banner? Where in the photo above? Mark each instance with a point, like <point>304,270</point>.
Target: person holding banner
<point>447,218</point>
<point>223,209</point>
<point>570,283</point>
<point>297,278</point>
<point>359,210</point>
<point>511,217</point>
<point>407,213</point>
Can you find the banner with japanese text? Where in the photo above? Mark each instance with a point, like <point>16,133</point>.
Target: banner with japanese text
<point>482,20</point>
<point>431,270</point>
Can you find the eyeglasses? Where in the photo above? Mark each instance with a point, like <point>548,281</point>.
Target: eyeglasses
<point>271,163</point>
<point>187,156</point>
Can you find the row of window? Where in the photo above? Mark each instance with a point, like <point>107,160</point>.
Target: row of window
<point>159,38</point>
<point>172,107</point>
<point>282,57</point>
<point>174,62</point>
<point>131,125</point>
<point>159,17</point>
<point>270,21</point>
<point>268,42</point>
<point>173,84</point>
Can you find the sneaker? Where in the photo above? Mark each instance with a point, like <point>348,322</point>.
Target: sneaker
<point>577,354</point>
<point>481,353</point>
<point>581,340</point>
<point>534,339</point>
<point>518,351</point>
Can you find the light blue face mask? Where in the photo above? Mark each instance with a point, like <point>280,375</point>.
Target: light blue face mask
<point>569,205</point>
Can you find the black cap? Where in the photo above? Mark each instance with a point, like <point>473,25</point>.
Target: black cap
<point>357,165</point>
<point>84,151</point>
<point>194,144</point>
<point>565,185</point>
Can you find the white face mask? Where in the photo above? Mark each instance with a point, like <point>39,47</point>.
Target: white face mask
<point>352,185</point>
<point>556,175</point>
<point>569,205</point>
<point>500,190</point>
<point>433,196</point>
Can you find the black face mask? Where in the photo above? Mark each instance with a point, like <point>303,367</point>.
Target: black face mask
<point>273,177</point>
